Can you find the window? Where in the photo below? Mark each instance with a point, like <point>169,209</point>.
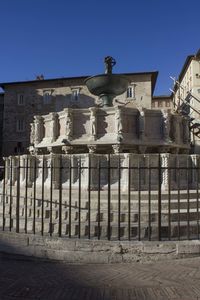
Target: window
<point>19,148</point>
<point>75,94</point>
<point>47,97</point>
<point>20,125</point>
<point>130,93</point>
<point>20,99</point>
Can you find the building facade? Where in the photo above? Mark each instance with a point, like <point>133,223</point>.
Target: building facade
<point>186,96</point>
<point>1,122</point>
<point>162,102</point>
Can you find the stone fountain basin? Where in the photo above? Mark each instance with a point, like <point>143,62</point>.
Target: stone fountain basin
<point>110,84</point>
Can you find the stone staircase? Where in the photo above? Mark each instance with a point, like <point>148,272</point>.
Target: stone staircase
<point>137,219</point>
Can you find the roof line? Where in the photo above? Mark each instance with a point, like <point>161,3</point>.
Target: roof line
<point>3,84</point>
<point>163,96</point>
<point>185,65</point>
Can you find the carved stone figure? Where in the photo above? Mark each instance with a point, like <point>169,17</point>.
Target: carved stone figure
<point>93,123</point>
<point>53,127</point>
<point>32,136</point>
<point>92,148</point>
<point>68,125</point>
<point>67,149</point>
<point>166,126</point>
<point>117,148</point>
<point>38,125</point>
<point>176,130</point>
<point>40,168</point>
<point>186,131</point>
<point>118,118</point>
<point>142,124</point>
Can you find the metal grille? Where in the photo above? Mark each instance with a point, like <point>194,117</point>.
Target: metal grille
<point>111,209</point>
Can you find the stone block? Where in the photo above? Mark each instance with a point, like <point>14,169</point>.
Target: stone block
<point>188,247</point>
<point>159,247</point>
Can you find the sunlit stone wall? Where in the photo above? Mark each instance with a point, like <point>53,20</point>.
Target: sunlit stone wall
<point>110,130</point>
<point>91,171</point>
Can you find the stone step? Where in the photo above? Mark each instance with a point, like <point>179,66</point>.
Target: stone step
<point>114,195</point>
<point>185,231</point>
<point>175,214</point>
<point>94,202</point>
<point>103,210</point>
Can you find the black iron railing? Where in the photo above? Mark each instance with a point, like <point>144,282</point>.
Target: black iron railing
<point>116,202</point>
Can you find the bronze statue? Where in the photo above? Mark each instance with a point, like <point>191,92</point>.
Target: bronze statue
<point>109,63</point>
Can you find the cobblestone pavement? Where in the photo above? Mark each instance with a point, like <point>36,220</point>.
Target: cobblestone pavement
<point>25,279</point>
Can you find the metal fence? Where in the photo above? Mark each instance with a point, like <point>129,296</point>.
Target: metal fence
<point>113,209</point>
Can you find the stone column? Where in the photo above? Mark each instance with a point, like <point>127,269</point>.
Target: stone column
<point>164,163</point>
<point>194,172</point>
<point>65,170</point>
<point>56,170</point>
<point>142,125</point>
<point>94,160</point>
<point>47,169</point>
<point>15,163</point>
<point>39,169</point>
<point>84,163</point>
<point>7,171</point>
<point>74,165</point>
<point>23,169</point>
<point>30,173</point>
<point>79,163</point>
<point>124,160</point>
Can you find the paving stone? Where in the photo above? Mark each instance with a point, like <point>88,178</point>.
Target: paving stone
<point>38,279</point>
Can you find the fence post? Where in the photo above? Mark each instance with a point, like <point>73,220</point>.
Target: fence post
<point>60,195</point>
<point>4,189</point>
<point>18,196</point>
<point>109,194</point>
<point>159,196</point>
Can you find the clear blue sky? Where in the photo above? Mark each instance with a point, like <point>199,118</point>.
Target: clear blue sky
<point>61,38</point>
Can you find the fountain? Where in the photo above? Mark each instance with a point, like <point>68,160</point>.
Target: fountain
<point>109,128</point>
<point>107,86</point>
<point>89,157</point>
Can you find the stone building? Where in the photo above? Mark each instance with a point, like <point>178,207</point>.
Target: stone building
<point>23,100</point>
<point>1,120</point>
<point>186,95</point>
<point>188,81</point>
<point>162,102</point>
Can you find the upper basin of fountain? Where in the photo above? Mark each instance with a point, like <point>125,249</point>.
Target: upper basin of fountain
<point>107,85</point>
<point>111,84</point>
